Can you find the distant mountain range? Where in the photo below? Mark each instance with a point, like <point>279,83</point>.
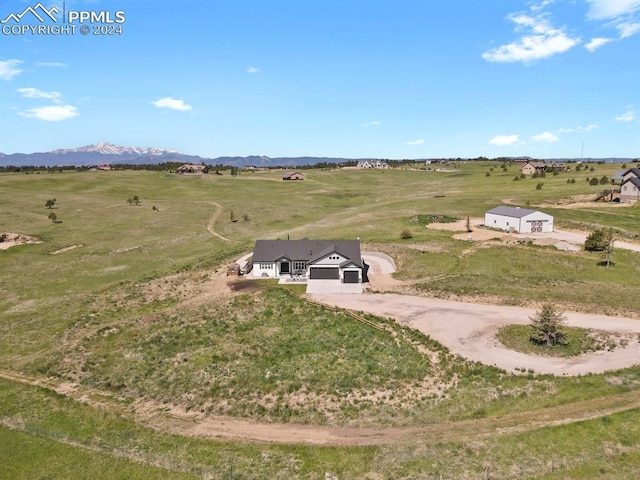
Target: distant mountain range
<point>109,154</point>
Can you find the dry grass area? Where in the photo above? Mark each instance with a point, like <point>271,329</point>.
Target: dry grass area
<point>139,321</point>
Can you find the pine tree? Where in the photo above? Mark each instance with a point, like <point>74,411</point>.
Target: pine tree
<point>547,327</point>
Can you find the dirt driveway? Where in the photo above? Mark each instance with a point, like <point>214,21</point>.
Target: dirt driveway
<point>469,330</point>
<point>479,233</point>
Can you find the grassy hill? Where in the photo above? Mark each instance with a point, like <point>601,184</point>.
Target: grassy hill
<point>122,304</point>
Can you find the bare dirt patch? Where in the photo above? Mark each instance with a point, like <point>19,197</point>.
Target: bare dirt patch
<point>8,240</point>
<point>188,288</point>
<point>561,239</point>
<point>66,249</point>
<point>244,286</point>
<point>583,201</point>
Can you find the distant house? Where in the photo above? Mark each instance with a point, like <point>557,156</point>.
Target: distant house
<point>529,168</point>
<point>337,261</point>
<point>630,188</point>
<point>558,167</point>
<point>293,176</point>
<point>518,220</point>
<point>372,164</point>
<point>188,169</point>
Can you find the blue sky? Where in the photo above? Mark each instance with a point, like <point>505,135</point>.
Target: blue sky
<point>349,78</point>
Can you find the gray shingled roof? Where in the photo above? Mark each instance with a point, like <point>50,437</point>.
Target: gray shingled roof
<point>306,250</point>
<point>635,171</point>
<point>634,180</point>
<point>515,212</point>
<point>618,175</point>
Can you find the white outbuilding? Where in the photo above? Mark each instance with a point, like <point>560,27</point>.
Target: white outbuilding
<point>518,220</point>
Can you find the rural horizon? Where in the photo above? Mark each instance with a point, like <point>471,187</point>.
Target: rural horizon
<point>111,151</point>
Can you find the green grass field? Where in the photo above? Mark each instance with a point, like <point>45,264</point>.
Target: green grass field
<point>117,299</point>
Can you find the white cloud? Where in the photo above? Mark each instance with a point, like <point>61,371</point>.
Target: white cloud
<point>252,70</point>
<point>628,116</point>
<point>542,41</point>
<point>503,140</point>
<point>52,64</point>
<point>35,93</point>
<point>621,14</point>
<point>588,128</point>
<point>9,69</point>
<point>540,6</point>
<point>172,103</point>
<point>375,123</point>
<point>546,137</point>
<point>610,9</point>
<point>596,43</point>
<point>52,113</point>
<point>416,142</point>
<point>628,29</point>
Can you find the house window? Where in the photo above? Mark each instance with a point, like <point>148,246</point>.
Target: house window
<point>299,266</point>
<point>265,266</point>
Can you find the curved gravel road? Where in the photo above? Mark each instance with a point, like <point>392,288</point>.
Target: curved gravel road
<point>469,330</point>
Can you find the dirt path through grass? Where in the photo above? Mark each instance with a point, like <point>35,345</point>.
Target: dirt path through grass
<point>213,219</point>
<point>214,427</point>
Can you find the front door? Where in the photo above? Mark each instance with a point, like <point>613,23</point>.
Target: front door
<point>285,267</point>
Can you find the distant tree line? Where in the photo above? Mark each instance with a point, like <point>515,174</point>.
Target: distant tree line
<point>42,168</point>
<point>219,168</point>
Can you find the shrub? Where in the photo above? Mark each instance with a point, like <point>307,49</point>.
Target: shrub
<point>406,234</point>
<point>599,240</point>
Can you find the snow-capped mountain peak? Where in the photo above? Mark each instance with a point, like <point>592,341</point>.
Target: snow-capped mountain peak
<point>106,148</point>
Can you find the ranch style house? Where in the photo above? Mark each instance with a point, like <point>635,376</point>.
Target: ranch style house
<point>337,260</point>
<point>372,164</point>
<point>189,169</point>
<point>293,176</point>
<point>518,220</point>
